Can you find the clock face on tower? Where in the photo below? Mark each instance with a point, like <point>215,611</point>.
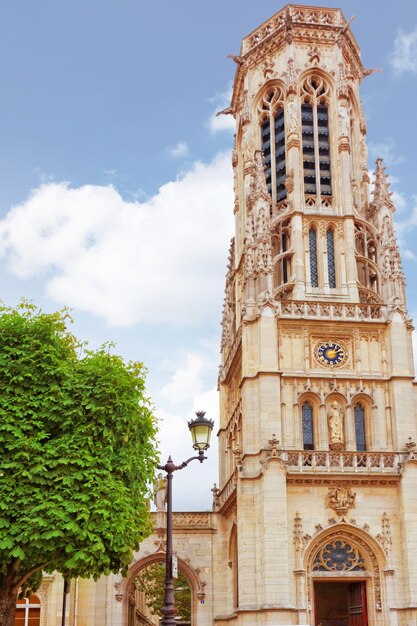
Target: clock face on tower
<point>331,354</point>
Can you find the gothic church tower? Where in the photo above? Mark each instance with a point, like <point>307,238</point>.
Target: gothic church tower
<point>315,514</point>
<point>318,405</point>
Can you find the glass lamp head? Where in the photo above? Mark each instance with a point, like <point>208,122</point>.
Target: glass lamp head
<point>200,429</point>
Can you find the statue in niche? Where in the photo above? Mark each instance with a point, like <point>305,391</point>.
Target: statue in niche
<point>160,492</point>
<point>335,421</point>
<point>246,143</point>
<point>344,121</point>
<point>292,115</point>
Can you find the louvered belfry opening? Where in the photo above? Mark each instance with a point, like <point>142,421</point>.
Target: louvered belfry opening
<point>273,142</point>
<point>324,149</point>
<point>308,149</point>
<point>315,140</point>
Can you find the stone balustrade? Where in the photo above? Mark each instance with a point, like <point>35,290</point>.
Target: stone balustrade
<point>295,309</point>
<point>358,462</point>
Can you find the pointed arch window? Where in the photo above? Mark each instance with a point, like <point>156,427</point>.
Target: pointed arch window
<point>282,253</point>
<point>308,426</point>
<point>273,142</point>
<point>315,138</point>
<point>314,274</point>
<point>331,258</point>
<point>360,432</point>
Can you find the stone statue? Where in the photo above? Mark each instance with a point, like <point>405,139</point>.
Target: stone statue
<point>247,150</point>
<point>160,492</point>
<point>335,421</point>
<point>292,115</point>
<point>344,121</point>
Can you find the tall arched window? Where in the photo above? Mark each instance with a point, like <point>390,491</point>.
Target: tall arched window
<point>308,427</point>
<point>28,612</point>
<point>330,258</point>
<point>233,560</point>
<point>315,136</point>
<point>273,142</point>
<point>282,253</point>
<point>314,274</point>
<point>360,432</point>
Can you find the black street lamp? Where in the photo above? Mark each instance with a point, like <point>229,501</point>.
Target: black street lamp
<point>200,428</point>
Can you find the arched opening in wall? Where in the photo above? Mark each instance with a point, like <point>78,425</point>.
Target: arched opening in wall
<point>344,578</point>
<point>331,258</point>
<point>28,611</point>
<point>233,564</point>
<point>368,271</point>
<point>145,597</point>
<point>307,417</point>
<point>282,253</point>
<point>314,270</point>
<point>315,94</point>
<point>272,127</point>
<point>360,427</point>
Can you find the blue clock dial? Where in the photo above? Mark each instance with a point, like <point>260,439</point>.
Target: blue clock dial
<point>331,354</point>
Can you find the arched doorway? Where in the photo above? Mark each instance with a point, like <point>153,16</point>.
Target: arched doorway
<point>344,584</point>
<point>147,577</point>
<point>28,611</point>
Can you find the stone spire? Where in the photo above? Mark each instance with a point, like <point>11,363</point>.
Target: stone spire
<point>382,209</point>
<point>382,195</point>
<point>258,246</point>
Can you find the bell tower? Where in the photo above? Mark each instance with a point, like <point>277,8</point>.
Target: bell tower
<point>318,404</point>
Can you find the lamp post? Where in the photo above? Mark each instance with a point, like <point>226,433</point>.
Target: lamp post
<point>200,429</point>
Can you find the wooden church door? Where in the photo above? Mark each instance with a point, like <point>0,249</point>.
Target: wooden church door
<point>357,604</point>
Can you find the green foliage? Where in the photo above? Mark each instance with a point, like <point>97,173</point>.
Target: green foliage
<point>77,451</point>
<point>151,580</point>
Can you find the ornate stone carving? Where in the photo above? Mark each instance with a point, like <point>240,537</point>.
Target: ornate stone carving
<point>339,556</point>
<point>290,77</point>
<point>314,55</point>
<point>384,537</point>
<point>43,593</point>
<point>289,182</point>
<point>298,532</point>
<point>228,318</point>
<point>342,83</point>
<point>341,498</point>
<point>197,518</point>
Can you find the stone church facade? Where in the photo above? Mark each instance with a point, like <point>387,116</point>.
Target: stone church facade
<point>314,518</point>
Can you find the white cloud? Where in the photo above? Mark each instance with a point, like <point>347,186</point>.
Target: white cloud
<point>404,58</point>
<point>162,260</point>
<point>409,254</point>
<point>385,150</point>
<point>186,380</point>
<point>179,150</point>
<point>222,122</point>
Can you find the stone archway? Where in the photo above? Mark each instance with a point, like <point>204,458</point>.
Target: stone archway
<point>196,586</point>
<point>357,557</point>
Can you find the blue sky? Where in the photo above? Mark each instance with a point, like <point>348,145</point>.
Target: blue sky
<point>116,196</point>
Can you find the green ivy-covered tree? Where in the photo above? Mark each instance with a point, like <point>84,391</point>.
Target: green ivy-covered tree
<point>77,451</point>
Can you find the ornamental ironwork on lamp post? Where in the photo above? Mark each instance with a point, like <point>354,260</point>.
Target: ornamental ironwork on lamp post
<point>200,429</point>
